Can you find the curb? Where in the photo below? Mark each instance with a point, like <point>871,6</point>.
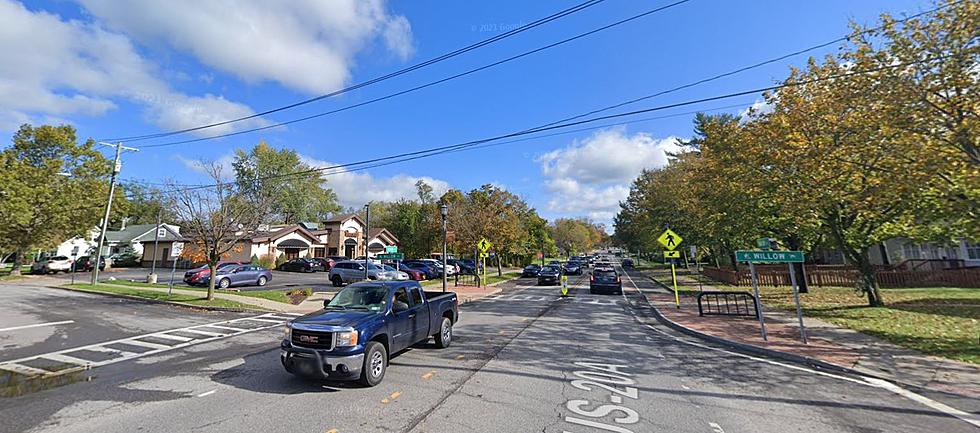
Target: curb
<point>785,356</point>
<point>157,301</point>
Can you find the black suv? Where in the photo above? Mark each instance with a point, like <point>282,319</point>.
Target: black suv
<point>531,270</point>
<point>550,274</point>
<point>605,280</point>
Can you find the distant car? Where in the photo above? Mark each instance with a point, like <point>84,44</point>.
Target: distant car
<point>550,274</point>
<point>573,268</point>
<point>605,280</point>
<point>531,270</point>
<point>337,258</point>
<point>627,263</point>
<point>52,265</point>
<point>450,270</point>
<point>194,277</point>
<point>413,274</point>
<point>431,271</point>
<point>322,263</point>
<point>392,274</point>
<point>464,267</point>
<point>351,271</point>
<point>299,265</point>
<point>86,263</point>
<point>240,275</point>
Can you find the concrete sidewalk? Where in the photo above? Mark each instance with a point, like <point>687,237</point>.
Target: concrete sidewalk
<point>827,342</point>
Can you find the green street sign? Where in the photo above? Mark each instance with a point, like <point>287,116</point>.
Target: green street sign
<point>390,256</point>
<point>769,256</point>
<point>763,243</point>
<point>391,249</point>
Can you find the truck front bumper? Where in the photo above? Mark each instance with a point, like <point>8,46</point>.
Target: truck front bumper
<point>314,364</point>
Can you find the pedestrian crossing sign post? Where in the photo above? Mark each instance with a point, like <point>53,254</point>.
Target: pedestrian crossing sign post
<point>564,285</point>
<point>671,241</point>
<point>484,246</point>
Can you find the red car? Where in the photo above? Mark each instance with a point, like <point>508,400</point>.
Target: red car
<point>199,274</point>
<point>413,274</point>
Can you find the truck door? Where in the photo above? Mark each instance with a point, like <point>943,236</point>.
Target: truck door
<point>420,324</point>
<point>401,320</point>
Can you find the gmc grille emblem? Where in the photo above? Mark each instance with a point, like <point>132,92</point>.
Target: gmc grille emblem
<point>309,339</point>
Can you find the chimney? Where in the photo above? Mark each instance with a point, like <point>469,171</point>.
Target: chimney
<point>124,219</point>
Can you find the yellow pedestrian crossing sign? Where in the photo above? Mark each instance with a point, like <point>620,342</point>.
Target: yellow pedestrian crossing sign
<point>564,285</point>
<point>672,254</point>
<point>483,245</point>
<point>670,240</point>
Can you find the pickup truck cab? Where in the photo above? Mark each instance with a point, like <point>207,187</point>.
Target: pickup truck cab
<point>354,334</point>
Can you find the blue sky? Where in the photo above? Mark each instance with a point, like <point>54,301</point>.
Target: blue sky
<point>117,69</point>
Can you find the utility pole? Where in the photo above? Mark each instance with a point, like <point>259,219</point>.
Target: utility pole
<point>444,211</point>
<point>156,248</point>
<point>367,228</point>
<point>116,168</point>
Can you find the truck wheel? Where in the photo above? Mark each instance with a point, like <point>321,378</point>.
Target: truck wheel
<point>337,281</point>
<point>375,364</point>
<point>445,336</point>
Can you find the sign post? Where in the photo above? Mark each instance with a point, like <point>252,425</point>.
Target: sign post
<point>671,241</point>
<point>790,257</point>
<point>74,254</point>
<point>484,246</point>
<point>176,249</point>
<point>564,285</point>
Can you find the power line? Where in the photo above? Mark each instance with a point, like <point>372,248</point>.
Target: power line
<point>450,148</point>
<point>426,85</point>
<point>596,111</point>
<point>457,52</point>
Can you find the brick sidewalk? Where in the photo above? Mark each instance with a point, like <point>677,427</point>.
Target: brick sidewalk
<point>827,342</point>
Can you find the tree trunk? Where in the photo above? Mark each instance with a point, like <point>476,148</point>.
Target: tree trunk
<point>500,271</point>
<point>212,267</point>
<point>868,283</point>
<point>18,262</point>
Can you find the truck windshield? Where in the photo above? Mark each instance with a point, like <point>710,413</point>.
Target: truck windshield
<point>360,297</point>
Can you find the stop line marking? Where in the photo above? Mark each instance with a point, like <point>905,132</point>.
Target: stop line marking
<point>541,298</point>
<point>37,325</point>
<point>74,362</point>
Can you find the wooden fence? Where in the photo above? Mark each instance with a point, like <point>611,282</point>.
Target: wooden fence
<point>846,276</point>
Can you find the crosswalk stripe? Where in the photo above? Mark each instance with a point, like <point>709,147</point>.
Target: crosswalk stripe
<point>23,369</point>
<point>200,332</point>
<point>171,337</point>
<point>66,359</point>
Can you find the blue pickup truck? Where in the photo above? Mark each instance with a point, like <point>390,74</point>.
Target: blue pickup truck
<point>353,335</point>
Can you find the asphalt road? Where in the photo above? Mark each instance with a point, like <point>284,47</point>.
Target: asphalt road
<point>318,281</point>
<point>522,361</point>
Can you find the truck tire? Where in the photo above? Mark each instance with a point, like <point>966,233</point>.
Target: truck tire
<point>375,364</point>
<point>445,336</point>
<point>337,281</point>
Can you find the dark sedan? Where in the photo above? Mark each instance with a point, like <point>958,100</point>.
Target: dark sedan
<point>243,275</point>
<point>300,265</point>
<point>531,271</point>
<point>549,275</point>
<point>198,275</point>
<point>627,263</point>
<point>573,268</point>
<point>86,263</point>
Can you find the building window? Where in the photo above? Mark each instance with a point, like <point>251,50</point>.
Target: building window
<point>911,251</point>
<point>973,250</point>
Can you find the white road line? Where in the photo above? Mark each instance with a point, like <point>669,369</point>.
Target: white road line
<point>171,337</point>
<point>266,320</point>
<point>147,344</point>
<point>103,349</point>
<point>200,332</point>
<point>205,394</point>
<point>226,327</point>
<point>868,381</point>
<point>716,428</point>
<point>67,359</point>
<point>36,325</point>
<point>23,369</point>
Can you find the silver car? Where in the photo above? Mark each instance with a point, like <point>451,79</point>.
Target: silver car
<point>352,271</point>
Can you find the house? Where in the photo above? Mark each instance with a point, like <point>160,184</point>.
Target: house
<point>127,238</point>
<point>895,251</point>
<point>342,235</point>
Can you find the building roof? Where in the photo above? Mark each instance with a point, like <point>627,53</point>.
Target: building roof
<point>266,237</point>
<point>340,219</point>
<point>376,232</point>
<point>141,233</point>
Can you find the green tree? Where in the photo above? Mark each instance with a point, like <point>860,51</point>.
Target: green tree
<point>51,188</point>
<point>295,190</point>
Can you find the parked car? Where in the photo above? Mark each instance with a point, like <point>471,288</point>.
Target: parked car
<point>450,271</point>
<point>413,274</point>
<point>550,274</point>
<point>391,274</point>
<point>354,335</point>
<point>531,270</point>
<point>605,280</point>
<point>627,263</point>
<point>299,265</point>
<point>338,258</point>
<point>86,263</point>
<point>52,265</point>
<point>464,267</point>
<point>240,275</point>
<point>430,270</point>
<point>323,263</point>
<point>351,271</point>
<point>194,276</point>
<point>121,260</point>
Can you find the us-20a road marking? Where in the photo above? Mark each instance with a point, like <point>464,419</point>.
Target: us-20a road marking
<point>78,358</point>
<point>597,377</point>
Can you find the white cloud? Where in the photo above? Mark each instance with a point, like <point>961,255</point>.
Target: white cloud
<point>201,166</point>
<point>60,68</point>
<point>590,177</point>
<point>356,188</point>
<point>759,107</point>
<point>306,45</point>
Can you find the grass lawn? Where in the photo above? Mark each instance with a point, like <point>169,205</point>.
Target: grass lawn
<point>272,295</point>
<point>161,296</point>
<point>940,321</point>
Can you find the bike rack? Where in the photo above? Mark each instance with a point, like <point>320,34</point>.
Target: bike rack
<point>727,304</point>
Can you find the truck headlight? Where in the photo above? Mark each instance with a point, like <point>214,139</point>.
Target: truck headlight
<point>347,339</point>
<point>288,334</point>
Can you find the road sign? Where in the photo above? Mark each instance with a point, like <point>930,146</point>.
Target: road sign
<point>484,255</point>
<point>672,254</point>
<point>390,256</point>
<point>391,249</point>
<point>769,256</point>
<point>484,245</point>
<point>177,249</point>
<point>670,240</point>
<point>74,251</point>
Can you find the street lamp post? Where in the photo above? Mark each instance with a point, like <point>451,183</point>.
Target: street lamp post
<point>444,211</point>
<point>367,239</point>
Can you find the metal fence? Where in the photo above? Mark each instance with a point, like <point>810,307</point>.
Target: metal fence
<point>847,276</point>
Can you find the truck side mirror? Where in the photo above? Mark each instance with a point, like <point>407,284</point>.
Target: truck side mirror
<point>399,306</point>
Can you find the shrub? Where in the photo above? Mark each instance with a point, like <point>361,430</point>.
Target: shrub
<point>280,259</point>
<point>266,261</point>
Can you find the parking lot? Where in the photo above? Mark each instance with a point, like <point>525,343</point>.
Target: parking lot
<point>318,281</point>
